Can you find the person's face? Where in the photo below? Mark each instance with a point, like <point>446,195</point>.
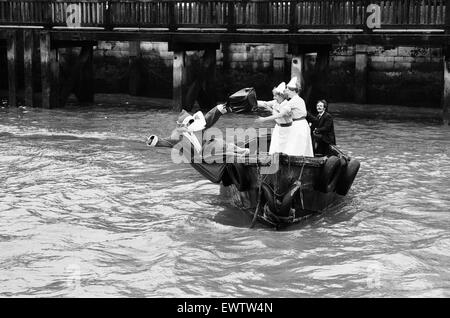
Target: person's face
<point>278,98</point>
<point>289,93</point>
<point>320,107</point>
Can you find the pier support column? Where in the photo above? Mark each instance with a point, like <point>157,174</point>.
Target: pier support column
<point>84,90</point>
<point>49,72</point>
<point>134,81</point>
<point>226,56</point>
<point>207,95</point>
<point>200,81</point>
<point>297,69</point>
<point>80,80</point>
<point>361,74</point>
<point>45,69</point>
<point>179,78</point>
<point>279,55</point>
<point>12,67</point>
<point>54,83</point>
<point>320,79</point>
<point>28,39</point>
<point>446,91</point>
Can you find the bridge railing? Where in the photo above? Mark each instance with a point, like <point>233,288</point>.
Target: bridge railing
<point>226,14</point>
<point>26,12</point>
<point>412,13</point>
<point>87,13</point>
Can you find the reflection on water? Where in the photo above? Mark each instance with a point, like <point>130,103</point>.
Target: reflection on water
<point>86,209</point>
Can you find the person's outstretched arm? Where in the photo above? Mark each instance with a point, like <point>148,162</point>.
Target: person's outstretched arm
<point>284,111</point>
<point>266,105</point>
<point>168,142</point>
<point>155,141</point>
<point>214,114</point>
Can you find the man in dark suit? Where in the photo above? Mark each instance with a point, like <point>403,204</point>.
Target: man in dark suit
<point>322,127</point>
<point>190,134</point>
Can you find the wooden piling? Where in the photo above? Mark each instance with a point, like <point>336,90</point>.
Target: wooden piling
<point>297,69</point>
<point>225,56</point>
<point>321,72</point>
<point>54,79</point>
<point>86,84</point>
<point>360,92</point>
<point>45,68</point>
<point>49,72</point>
<point>12,67</point>
<point>134,81</point>
<point>28,36</point>
<point>207,97</point>
<point>446,90</point>
<point>179,78</point>
<point>80,80</point>
<point>279,55</point>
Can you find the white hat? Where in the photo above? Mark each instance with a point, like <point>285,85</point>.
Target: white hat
<point>280,88</point>
<point>292,83</point>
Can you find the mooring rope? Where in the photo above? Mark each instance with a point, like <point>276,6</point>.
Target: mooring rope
<point>258,204</point>
<point>299,186</point>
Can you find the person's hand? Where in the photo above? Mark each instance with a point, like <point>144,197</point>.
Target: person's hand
<point>221,108</point>
<point>244,152</point>
<point>259,120</point>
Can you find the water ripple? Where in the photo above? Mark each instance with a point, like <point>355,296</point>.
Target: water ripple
<point>88,210</point>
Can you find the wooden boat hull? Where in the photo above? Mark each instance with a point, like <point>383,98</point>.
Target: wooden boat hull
<point>299,188</point>
<point>314,202</point>
<point>285,197</point>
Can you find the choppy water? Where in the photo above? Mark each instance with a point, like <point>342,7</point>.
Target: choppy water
<point>86,209</point>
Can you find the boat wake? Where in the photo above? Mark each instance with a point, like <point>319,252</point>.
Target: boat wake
<point>44,134</point>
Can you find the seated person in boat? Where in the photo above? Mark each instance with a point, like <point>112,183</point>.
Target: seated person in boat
<point>322,127</point>
<point>282,116</point>
<point>189,132</point>
<point>299,143</point>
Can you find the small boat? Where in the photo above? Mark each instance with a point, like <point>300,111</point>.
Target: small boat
<point>276,189</point>
<point>279,190</point>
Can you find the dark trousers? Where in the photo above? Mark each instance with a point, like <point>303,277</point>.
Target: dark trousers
<point>322,148</point>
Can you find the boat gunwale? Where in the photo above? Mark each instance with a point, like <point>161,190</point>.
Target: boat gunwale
<point>266,160</point>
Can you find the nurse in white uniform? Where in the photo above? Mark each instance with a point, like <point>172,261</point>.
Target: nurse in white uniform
<point>281,114</point>
<point>299,143</point>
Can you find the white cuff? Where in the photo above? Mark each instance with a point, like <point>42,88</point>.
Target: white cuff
<point>222,108</point>
<point>152,140</point>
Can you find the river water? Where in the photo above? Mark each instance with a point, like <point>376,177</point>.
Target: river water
<point>87,210</point>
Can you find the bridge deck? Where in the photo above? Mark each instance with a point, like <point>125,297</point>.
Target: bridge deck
<point>314,21</point>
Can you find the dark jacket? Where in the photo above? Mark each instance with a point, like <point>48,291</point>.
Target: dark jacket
<point>211,118</point>
<point>324,128</point>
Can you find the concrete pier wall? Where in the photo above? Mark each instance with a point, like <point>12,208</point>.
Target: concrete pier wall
<point>397,75</point>
<point>401,75</point>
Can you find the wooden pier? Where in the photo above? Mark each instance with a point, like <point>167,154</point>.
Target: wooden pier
<point>304,25</point>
